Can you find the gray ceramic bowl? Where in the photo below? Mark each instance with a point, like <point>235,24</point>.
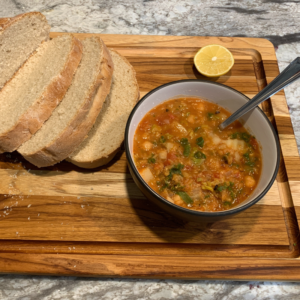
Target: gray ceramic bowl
<point>255,122</point>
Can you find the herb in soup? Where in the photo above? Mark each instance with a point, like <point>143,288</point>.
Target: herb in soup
<point>183,156</point>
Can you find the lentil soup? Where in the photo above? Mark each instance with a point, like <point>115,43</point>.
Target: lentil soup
<point>183,156</point>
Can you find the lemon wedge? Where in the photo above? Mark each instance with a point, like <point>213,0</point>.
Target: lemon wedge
<point>213,60</point>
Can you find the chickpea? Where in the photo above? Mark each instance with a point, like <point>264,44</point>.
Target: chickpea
<point>169,199</point>
<point>145,136</point>
<point>249,181</point>
<point>177,178</point>
<point>147,146</point>
<point>191,119</point>
<point>186,174</point>
<point>221,152</point>
<point>163,154</point>
<point>201,106</point>
<point>166,172</point>
<point>177,200</point>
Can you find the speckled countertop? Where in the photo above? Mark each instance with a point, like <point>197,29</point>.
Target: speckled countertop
<point>276,20</point>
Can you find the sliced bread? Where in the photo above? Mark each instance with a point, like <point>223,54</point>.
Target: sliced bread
<point>29,98</point>
<point>73,118</point>
<point>19,37</point>
<point>107,134</point>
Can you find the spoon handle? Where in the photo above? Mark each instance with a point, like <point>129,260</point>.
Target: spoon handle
<point>286,77</point>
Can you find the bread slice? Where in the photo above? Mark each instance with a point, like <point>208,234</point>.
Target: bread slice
<point>29,98</point>
<point>73,118</point>
<point>107,135</point>
<point>20,36</point>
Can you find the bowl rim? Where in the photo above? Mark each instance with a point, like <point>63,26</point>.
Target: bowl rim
<point>185,210</point>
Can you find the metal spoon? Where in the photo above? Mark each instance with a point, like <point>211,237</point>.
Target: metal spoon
<point>286,77</point>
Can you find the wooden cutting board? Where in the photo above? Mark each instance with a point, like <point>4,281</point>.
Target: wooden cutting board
<point>64,220</point>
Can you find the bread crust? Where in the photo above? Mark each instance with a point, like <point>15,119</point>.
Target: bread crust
<point>107,157</point>
<point>7,22</point>
<point>4,22</point>
<point>32,120</point>
<point>86,116</point>
<point>96,163</point>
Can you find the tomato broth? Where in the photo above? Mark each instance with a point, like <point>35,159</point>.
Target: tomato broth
<point>183,156</point>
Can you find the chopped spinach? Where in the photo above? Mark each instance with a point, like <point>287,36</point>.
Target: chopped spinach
<point>210,115</point>
<point>168,136</point>
<point>162,139</point>
<point>199,155</point>
<point>197,161</point>
<point>197,128</point>
<point>229,188</point>
<point>151,160</point>
<point>234,135</point>
<point>220,187</point>
<point>167,181</point>
<point>175,187</point>
<point>184,141</point>
<point>224,186</point>
<point>176,169</point>
<point>225,159</point>
<point>200,141</point>
<point>237,166</point>
<point>247,156</point>
<point>231,184</point>
<point>244,136</point>
<point>171,185</point>
<point>186,150</point>
<point>185,197</point>
<point>250,162</point>
<point>186,146</point>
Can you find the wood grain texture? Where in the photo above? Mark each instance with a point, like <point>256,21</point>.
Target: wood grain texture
<point>21,184</point>
<point>63,220</point>
<point>162,249</point>
<point>282,177</point>
<point>108,219</point>
<point>171,267</point>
